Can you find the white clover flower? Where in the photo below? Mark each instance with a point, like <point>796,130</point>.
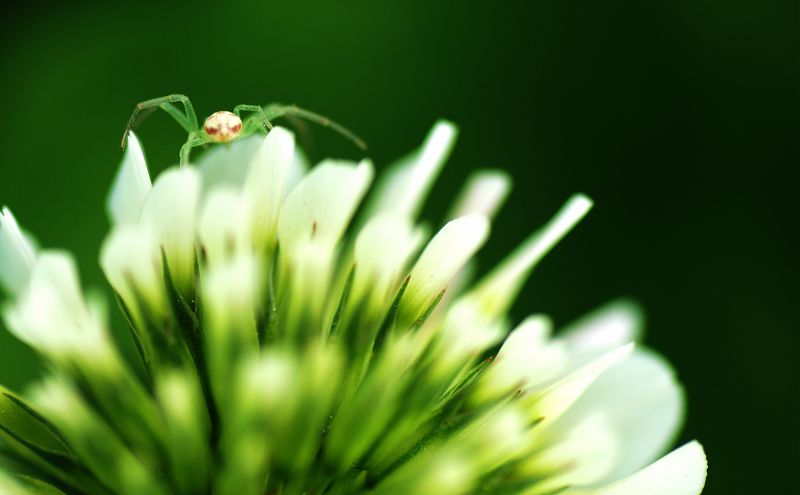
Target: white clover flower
<point>293,341</point>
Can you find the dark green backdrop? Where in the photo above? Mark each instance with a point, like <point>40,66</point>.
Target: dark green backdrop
<point>679,117</point>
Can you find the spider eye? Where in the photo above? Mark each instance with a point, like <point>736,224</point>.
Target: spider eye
<point>222,127</point>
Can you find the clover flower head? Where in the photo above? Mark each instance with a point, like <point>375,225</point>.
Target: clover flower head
<point>298,335</point>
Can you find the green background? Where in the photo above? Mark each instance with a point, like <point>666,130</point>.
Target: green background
<point>680,118</point>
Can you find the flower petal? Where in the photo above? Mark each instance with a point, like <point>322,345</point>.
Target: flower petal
<point>51,313</point>
<point>496,292</point>
<point>526,359</point>
<point>605,328</point>
<point>131,261</point>
<point>405,185</point>
<point>644,404</point>
<point>465,334</point>
<point>17,254</point>
<point>307,275</point>
<point>579,456</point>
<point>231,164</point>
<point>494,439</point>
<point>322,204</point>
<point>228,164</point>
<point>382,249</point>
<point>232,293</point>
<point>131,185</point>
<point>682,472</point>
<point>266,183</point>
<point>552,402</point>
<point>170,214</point>
<point>484,193</point>
<point>221,228</point>
<point>442,258</point>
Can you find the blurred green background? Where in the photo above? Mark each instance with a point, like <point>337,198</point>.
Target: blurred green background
<point>679,117</point>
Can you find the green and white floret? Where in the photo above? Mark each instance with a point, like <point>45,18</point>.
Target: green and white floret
<point>299,334</point>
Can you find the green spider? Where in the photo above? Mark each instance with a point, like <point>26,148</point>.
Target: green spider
<point>224,126</point>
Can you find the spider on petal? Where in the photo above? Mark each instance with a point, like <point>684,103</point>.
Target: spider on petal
<point>225,126</point>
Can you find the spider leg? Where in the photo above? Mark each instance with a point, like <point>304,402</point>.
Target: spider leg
<point>257,121</point>
<point>275,111</point>
<point>196,138</point>
<point>187,119</point>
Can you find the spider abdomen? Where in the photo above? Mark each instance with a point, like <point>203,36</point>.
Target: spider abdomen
<point>222,127</point>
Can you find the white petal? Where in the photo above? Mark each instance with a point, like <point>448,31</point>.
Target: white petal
<point>496,292</point>
<point>484,193</point>
<point>442,258</point>
<point>527,358</point>
<point>308,273</point>
<point>298,170</point>
<point>406,184</point>
<point>682,472</point>
<point>131,185</point>
<point>494,439</point>
<point>550,403</point>
<point>322,204</point>
<point>170,214</point>
<point>231,295</point>
<point>382,250</point>
<point>592,447</point>
<point>580,456</point>
<point>265,187</point>
<point>228,164</point>
<point>644,404</point>
<point>17,254</point>
<point>131,261</point>
<point>51,313</point>
<point>610,326</point>
<point>221,227</point>
<point>465,334</point>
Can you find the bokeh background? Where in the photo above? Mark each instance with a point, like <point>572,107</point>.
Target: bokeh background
<point>679,117</point>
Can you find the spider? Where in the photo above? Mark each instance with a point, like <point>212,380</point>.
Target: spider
<point>224,126</point>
